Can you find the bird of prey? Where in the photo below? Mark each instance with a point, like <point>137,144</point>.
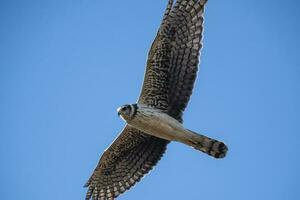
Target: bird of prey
<point>156,118</point>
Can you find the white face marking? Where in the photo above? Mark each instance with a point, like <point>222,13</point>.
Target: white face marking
<point>127,112</point>
<point>118,110</point>
<point>132,110</point>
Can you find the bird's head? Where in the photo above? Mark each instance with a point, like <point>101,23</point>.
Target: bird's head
<point>127,112</point>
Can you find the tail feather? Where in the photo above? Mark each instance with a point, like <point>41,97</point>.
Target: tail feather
<point>208,145</point>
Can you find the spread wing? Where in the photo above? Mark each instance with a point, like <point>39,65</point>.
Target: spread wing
<point>168,83</point>
<point>173,58</point>
<point>125,162</point>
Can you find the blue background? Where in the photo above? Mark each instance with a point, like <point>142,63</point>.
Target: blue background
<point>65,66</point>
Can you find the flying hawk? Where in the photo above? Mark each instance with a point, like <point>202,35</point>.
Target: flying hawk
<point>156,119</point>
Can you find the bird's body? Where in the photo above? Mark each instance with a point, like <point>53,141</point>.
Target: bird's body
<point>159,124</point>
<point>153,122</point>
<point>156,118</point>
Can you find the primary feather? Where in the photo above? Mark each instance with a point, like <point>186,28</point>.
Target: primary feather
<point>169,79</point>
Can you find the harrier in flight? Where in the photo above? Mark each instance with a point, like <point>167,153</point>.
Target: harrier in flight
<point>156,118</point>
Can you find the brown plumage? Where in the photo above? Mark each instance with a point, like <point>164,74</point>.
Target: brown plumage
<point>173,58</point>
<point>169,80</point>
<point>124,163</point>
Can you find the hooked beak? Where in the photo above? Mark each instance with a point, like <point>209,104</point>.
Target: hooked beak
<point>118,110</point>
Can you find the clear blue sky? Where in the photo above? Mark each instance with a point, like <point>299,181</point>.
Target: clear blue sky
<point>65,66</point>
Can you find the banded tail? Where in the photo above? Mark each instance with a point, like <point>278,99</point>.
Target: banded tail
<point>207,145</point>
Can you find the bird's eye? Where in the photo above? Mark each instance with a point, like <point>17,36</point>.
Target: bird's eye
<point>124,108</point>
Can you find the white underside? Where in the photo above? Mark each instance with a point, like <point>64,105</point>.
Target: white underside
<point>159,124</point>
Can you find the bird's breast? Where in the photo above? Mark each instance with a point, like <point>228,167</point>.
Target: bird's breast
<point>155,123</point>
